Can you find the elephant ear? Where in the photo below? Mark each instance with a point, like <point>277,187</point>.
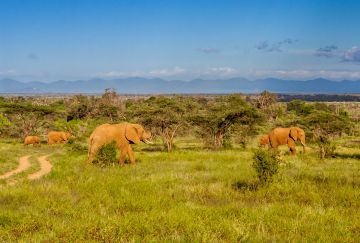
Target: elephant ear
<point>294,133</point>
<point>63,136</point>
<point>131,134</point>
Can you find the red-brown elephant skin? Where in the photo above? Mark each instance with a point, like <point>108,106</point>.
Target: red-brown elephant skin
<point>284,135</point>
<point>58,137</point>
<point>123,134</point>
<point>34,140</point>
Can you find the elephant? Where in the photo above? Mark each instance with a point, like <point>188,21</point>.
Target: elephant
<point>58,137</point>
<point>34,140</point>
<point>280,136</point>
<point>124,134</point>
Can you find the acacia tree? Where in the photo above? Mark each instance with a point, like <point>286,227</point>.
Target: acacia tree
<point>4,122</point>
<point>216,118</point>
<point>26,118</point>
<point>163,115</point>
<point>265,100</point>
<point>110,105</point>
<point>267,103</point>
<point>80,107</point>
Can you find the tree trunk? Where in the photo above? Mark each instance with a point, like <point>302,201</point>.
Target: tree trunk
<point>218,140</point>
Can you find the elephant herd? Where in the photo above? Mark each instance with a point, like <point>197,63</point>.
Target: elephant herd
<point>53,137</point>
<point>125,134</point>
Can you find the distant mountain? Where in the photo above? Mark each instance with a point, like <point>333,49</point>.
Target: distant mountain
<point>159,86</point>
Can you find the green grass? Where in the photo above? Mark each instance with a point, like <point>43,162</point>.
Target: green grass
<point>187,195</point>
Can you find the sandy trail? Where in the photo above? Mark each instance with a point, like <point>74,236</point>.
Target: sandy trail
<point>45,168</point>
<point>24,164</point>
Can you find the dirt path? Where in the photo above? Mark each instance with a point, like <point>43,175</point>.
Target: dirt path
<point>45,168</point>
<point>24,164</point>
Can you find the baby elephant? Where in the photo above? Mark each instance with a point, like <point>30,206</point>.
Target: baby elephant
<point>34,140</point>
<point>58,137</point>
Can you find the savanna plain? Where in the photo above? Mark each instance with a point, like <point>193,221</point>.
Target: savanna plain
<point>195,183</point>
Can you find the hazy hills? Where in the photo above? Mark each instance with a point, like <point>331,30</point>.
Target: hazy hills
<point>156,85</point>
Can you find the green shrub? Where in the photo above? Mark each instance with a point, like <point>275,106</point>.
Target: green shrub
<point>106,155</point>
<point>266,164</point>
<point>326,148</point>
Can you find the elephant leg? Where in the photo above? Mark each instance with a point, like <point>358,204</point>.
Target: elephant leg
<point>292,147</point>
<point>123,152</point>
<point>91,158</point>
<point>131,155</point>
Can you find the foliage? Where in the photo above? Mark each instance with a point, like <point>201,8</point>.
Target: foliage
<point>106,155</point>
<point>266,164</point>
<point>4,121</point>
<point>326,148</point>
<point>80,107</point>
<point>215,119</point>
<point>163,115</point>
<point>300,107</point>
<point>265,100</point>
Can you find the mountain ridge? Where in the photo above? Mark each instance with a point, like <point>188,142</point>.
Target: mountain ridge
<point>139,85</point>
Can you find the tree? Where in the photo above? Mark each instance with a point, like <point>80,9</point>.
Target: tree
<point>110,105</point>
<point>163,115</point>
<point>80,107</point>
<point>4,122</point>
<point>267,103</point>
<point>265,100</point>
<point>215,118</point>
<point>326,124</point>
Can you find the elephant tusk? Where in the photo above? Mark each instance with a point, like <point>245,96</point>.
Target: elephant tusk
<point>147,141</point>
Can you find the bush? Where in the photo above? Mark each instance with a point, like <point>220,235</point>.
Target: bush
<point>266,164</point>
<point>326,148</point>
<point>106,155</point>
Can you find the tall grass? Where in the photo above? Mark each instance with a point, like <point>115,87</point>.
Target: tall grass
<point>186,195</point>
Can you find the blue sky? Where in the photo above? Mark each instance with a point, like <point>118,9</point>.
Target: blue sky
<point>47,40</point>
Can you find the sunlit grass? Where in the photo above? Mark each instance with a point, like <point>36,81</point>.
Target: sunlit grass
<point>186,195</point>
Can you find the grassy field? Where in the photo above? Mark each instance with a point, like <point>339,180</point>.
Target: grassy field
<point>189,195</point>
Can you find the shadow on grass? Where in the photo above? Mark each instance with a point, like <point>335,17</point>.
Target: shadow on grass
<point>326,181</point>
<point>246,185</point>
<point>347,156</point>
<point>161,148</point>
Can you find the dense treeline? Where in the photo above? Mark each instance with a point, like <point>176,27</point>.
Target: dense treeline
<point>218,121</point>
<point>319,97</point>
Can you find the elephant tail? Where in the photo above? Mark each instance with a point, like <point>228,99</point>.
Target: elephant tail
<point>89,159</point>
<point>90,146</point>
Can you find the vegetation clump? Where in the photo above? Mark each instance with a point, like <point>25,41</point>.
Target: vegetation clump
<point>106,155</point>
<point>266,164</point>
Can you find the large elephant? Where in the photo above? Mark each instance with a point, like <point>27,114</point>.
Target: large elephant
<point>123,134</point>
<point>58,137</point>
<point>280,136</point>
<point>34,140</point>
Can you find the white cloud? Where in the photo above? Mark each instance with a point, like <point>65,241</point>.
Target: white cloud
<point>9,72</point>
<point>221,71</point>
<point>352,55</point>
<point>307,74</point>
<point>208,50</point>
<point>117,74</point>
<point>167,72</point>
<point>153,73</point>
